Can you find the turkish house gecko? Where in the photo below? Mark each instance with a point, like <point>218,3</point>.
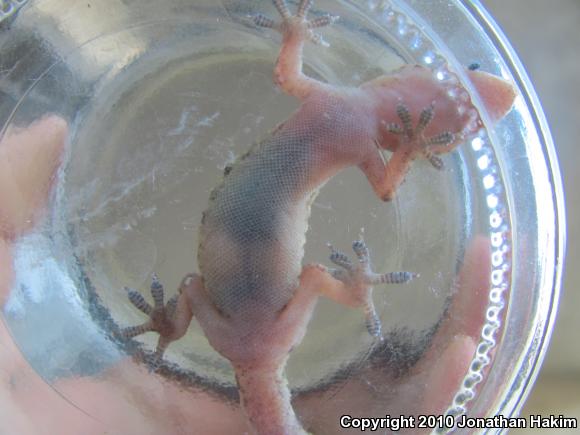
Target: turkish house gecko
<point>253,297</point>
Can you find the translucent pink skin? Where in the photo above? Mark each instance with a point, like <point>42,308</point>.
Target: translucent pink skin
<point>34,154</point>
<point>253,327</point>
<point>29,158</point>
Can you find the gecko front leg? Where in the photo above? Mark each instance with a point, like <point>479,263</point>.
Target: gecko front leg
<point>358,280</point>
<point>385,179</point>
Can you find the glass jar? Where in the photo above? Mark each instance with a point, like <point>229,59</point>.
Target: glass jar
<point>158,98</point>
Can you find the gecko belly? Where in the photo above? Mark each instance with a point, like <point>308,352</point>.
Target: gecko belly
<point>253,234</point>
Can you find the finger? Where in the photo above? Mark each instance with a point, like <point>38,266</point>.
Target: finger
<point>474,279</point>
<point>7,268</point>
<point>446,374</point>
<point>29,159</point>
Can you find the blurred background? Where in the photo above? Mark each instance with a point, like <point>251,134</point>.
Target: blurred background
<point>545,35</point>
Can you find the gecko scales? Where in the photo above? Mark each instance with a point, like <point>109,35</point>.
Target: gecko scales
<point>253,297</point>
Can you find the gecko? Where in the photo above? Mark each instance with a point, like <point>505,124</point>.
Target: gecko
<point>252,297</point>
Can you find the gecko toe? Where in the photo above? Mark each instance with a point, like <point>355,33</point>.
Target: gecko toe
<point>316,38</point>
<point>282,8</point>
<point>263,21</point>
<point>373,322</point>
<point>291,22</point>
<point>393,277</point>
<point>425,118</point>
<point>323,21</point>
<point>444,138</point>
<point>340,258</point>
<point>362,251</point>
<point>436,161</point>
<point>303,8</point>
<point>133,331</point>
<point>138,301</point>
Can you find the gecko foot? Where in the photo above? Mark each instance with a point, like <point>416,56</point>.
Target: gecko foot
<point>415,137</point>
<point>360,278</point>
<point>296,24</point>
<point>161,318</point>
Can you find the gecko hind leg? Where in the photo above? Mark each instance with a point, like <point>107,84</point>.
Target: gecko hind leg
<point>360,279</point>
<point>295,30</point>
<point>162,318</point>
